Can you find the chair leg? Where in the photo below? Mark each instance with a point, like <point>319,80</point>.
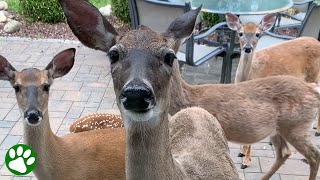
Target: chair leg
<point>228,69</point>
<point>223,69</point>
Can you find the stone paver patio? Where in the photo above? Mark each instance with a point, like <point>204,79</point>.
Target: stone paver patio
<point>88,88</point>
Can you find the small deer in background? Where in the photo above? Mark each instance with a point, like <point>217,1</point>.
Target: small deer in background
<point>86,155</point>
<point>146,74</point>
<point>299,57</point>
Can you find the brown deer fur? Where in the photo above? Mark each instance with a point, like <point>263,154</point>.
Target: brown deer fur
<point>142,62</point>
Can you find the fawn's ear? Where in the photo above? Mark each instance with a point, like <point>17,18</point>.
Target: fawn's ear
<point>7,71</point>
<point>89,25</point>
<point>183,26</point>
<point>233,22</point>
<point>61,64</point>
<point>267,22</point>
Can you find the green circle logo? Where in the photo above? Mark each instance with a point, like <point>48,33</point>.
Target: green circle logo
<point>20,159</point>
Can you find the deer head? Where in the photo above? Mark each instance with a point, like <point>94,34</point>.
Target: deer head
<point>141,60</point>
<point>250,33</point>
<point>32,85</point>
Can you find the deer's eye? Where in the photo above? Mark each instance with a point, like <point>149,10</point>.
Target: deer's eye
<point>240,34</point>
<point>46,87</point>
<point>16,88</point>
<point>114,56</point>
<point>257,35</point>
<point>169,58</point>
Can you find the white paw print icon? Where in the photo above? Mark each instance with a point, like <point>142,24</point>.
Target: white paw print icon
<point>21,160</point>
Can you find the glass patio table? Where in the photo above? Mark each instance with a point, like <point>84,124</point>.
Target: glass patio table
<point>234,6</point>
<point>238,7</point>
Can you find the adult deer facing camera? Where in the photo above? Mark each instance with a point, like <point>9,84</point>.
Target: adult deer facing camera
<point>87,155</point>
<point>299,57</point>
<point>145,75</point>
<point>141,68</point>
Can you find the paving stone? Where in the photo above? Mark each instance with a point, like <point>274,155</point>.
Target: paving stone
<point>107,103</point>
<point>255,176</point>
<point>3,113</point>
<point>9,141</point>
<point>86,104</point>
<point>76,96</point>
<point>55,124</point>
<point>13,115</point>
<point>294,177</point>
<point>109,93</point>
<point>60,105</point>
<point>75,112</point>
<point>57,114</point>
<point>254,166</point>
<point>15,48</point>
<point>86,77</point>
<point>291,166</point>
<point>66,86</point>
<point>17,129</point>
<point>96,96</point>
<point>56,94</point>
<point>7,124</point>
<point>2,157</point>
<point>89,111</point>
<point>5,177</point>
<point>5,131</point>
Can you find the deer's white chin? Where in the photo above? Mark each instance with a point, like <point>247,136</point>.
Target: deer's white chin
<point>150,117</point>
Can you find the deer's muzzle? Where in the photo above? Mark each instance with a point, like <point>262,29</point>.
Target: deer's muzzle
<point>137,97</point>
<point>33,116</point>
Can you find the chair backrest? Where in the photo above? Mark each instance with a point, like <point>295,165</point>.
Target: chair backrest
<point>311,23</point>
<point>301,8</point>
<point>157,17</point>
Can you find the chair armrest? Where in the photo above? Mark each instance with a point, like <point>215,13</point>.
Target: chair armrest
<point>302,2</point>
<point>287,14</point>
<point>209,31</point>
<point>279,36</point>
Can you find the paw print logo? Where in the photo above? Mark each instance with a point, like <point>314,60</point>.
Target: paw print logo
<point>20,159</point>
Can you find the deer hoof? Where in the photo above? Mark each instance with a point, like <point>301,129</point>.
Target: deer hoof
<point>305,161</point>
<point>314,127</point>
<point>241,155</point>
<point>243,166</point>
<point>317,134</point>
<point>270,143</point>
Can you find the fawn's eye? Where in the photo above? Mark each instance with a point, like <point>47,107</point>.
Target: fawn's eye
<point>46,87</point>
<point>257,35</point>
<point>17,88</point>
<point>169,58</point>
<point>114,56</point>
<point>240,34</point>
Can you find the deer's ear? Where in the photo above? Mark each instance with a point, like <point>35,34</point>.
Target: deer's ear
<point>7,71</point>
<point>233,22</point>
<point>267,22</point>
<point>183,26</point>
<point>62,63</point>
<point>88,24</point>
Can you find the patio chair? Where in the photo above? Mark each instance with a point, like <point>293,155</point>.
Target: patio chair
<point>310,27</point>
<point>284,20</point>
<point>158,18</point>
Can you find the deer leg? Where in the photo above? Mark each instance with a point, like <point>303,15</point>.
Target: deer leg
<point>282,154</point>
<point>304,146</point>
<point>243,151</point>
<point>318,125</point>
<point>247,157</point>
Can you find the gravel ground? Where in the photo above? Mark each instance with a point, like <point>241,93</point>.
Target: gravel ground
<point>53,31</point>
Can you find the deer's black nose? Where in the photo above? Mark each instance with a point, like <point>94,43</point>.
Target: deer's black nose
<point>247,49</point>
<point>33,116</point>
<point>138,98</point>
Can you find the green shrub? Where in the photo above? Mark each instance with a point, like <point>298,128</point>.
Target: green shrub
<point>42,10</point>
<point>120,9</point>
<point>210,19</point>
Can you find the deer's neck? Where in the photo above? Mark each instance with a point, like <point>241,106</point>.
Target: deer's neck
<point>149,153</point>
<point>244,67</point>
<point>181,95</point>
<point>42,140</point>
